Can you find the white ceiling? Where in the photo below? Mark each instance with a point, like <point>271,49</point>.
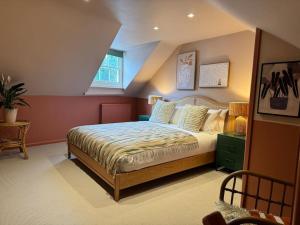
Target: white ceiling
<point>279,17</point>
<point>138,17</point>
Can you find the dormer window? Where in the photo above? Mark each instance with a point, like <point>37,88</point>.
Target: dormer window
<point>110,73</point>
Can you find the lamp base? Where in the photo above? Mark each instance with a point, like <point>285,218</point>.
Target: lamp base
<point>240,126</point>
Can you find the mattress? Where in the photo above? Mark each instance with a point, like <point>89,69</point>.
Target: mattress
<point>206,140</point>
<point>126,147</point>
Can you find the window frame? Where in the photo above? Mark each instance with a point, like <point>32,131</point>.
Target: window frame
<point>108,84</point>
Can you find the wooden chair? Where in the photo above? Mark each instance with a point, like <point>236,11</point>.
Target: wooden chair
<point>217,219</point>
<point>245,174</point>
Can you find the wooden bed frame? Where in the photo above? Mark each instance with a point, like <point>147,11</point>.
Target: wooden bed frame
<point>125,180</point>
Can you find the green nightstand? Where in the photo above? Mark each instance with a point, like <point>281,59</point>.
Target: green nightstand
<point>230,152</point>
<point>143,117</point>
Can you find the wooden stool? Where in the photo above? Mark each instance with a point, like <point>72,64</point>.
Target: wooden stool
<point>19,142</point>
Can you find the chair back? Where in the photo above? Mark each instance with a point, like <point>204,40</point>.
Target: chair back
<point>256,196</point>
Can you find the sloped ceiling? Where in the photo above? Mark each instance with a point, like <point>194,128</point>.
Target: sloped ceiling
<point>281,18</point>
<point>54,46</point>
<point>155,60</point>
<point>139,17</point>
<point>134,60</point>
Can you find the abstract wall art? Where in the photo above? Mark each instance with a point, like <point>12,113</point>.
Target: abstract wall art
<point>186,65</point>
<point>279,89</point>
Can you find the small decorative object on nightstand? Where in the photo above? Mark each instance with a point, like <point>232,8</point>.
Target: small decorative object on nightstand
<point>143,117</point>
<point>18,142</point>
<point>230,151</point>
<point>240,111</point>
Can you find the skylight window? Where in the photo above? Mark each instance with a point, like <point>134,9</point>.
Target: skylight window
<point>110,73</point>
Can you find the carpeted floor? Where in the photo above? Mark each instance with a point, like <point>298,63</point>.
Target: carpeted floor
<point>48,189</point>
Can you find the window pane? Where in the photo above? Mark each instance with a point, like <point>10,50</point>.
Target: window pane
<point>113,61</point>
<point>110,72</point>
<point>104,74</point>
<point>97,76</point>
<point>114,75</point>
<point>105,61</point>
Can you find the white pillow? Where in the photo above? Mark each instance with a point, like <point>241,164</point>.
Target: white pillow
<point>192,117</point>
<point>162,112</point>
<point>222,117</point>
<point>212,120</point>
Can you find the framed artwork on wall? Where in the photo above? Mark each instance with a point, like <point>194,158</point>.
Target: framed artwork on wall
<point>186,65</point>
<point>214,75</point>
<point>279,89</point>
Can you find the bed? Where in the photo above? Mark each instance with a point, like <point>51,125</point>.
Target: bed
<point>127,154</point>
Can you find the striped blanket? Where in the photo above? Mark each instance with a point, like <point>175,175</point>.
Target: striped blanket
<point>109,143</point>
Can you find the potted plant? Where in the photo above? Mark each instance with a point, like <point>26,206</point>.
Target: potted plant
<point>10,98</point>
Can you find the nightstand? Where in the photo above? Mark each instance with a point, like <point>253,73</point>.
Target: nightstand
<point>143,117</point>
<point>230,152</point>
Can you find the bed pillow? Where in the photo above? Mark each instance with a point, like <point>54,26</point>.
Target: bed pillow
<point>162,112</point>
<point>176,114</point>
<point>222,117</point>
<point>192,117</point>
<point>212,120</point>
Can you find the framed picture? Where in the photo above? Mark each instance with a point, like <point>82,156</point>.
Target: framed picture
<point>186,65</point>
<point>279,89</point>
<point>214,75</point>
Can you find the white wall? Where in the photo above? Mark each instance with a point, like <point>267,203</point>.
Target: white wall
<point>237,48</point>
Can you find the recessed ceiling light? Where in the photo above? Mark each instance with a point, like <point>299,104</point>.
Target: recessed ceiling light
<point>156,28</point>
<point>190,15</point>
<point>86,0</point>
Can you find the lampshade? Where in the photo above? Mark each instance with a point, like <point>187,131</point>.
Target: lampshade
<point>152,99</point>
<point>238,108</point>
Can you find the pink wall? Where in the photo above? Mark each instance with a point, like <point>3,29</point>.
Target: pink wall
<point>52,116</point>
<point>142,107</point>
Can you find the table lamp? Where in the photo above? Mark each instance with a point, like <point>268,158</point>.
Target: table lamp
<point>240,111</point>
<point>152,99</point>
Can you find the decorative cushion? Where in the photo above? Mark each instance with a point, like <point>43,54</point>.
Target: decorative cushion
<point>212,120</point>
<point>230,212</point>
<point>176,114</point>
<point>192,117</point>
<point>162,112</point>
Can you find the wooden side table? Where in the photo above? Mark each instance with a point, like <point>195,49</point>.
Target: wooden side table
<point>18,142</point>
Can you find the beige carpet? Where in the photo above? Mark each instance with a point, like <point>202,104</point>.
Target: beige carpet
<point>48,189</point>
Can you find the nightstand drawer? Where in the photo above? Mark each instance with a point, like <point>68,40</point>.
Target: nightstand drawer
<point>230,144</point>
<point>229,163</point>
<point>230,151</point>
<point>227,160</point>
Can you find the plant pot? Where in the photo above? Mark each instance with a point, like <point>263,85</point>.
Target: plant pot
<point>10,115</point>
<point>279,103</point>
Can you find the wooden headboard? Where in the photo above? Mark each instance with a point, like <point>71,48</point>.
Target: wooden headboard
<point>202,100</point>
